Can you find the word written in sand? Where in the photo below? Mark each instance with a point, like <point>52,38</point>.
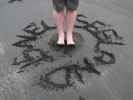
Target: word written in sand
<point>34,56</point>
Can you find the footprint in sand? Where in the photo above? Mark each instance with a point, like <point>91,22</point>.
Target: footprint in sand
<point>2,51</point>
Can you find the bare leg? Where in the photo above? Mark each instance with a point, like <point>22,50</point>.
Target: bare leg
<point>59,18</point>
<point>71,17</point>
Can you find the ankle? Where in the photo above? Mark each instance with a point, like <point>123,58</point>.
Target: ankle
<point>61,33</point>
<point>69,33</point>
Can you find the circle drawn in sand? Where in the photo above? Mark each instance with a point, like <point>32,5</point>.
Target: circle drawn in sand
<point>81,62</point>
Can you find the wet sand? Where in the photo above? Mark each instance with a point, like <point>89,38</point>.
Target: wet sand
<point>116,80</point>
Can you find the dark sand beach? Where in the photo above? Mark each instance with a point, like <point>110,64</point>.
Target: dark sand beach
<point>38,69</point>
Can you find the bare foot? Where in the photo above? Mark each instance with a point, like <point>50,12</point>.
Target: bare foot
<point>70,40</point>
<point>61,39</point>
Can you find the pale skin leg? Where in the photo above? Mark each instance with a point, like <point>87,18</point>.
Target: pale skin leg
<point>71,17</point>
<point>59,18</point>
